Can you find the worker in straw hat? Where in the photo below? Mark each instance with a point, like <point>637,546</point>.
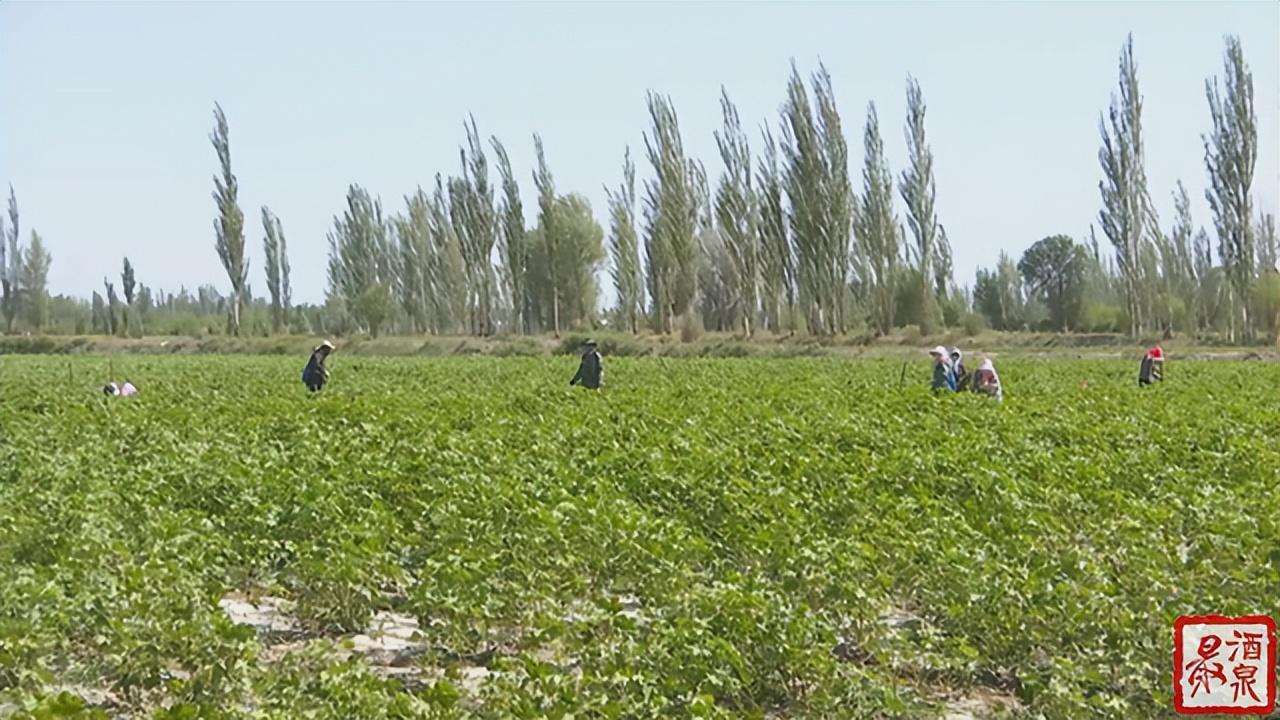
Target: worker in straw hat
<point>591,370</point>
<point>944,377</point>
<point>1152,368</point>
<point>315,374</point>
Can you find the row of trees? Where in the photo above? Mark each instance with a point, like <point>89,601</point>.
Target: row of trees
<point>1165,282</point>
<point>783,242</point>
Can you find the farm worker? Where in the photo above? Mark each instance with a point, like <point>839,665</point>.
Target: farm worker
<point>315,375</point>
<point>1152,368</point>
<point>957,369</point>
<point>943,376</point>
<point>986,381</point>
<point>125,390</point>
<point>591,370</point>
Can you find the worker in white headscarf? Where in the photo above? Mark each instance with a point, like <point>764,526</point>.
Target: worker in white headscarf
<point>987,381</point>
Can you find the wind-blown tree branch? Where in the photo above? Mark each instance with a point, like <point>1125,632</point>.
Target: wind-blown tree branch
<point>624,248</point>
<point>129,285</point>
<point>228,227</point>
<point>11,266</point>
<point>35,282</point>
<point>776,258</point>
<point>360,266</point>
<point>918,190</point>
<point>1230,153</point>
<point>877,226</point>
<point>277,269</point>
<point>514,247</point>
<point>546,186</point>
<point>671,214</point>
<point>1126,216</point>
<point>735,207</point>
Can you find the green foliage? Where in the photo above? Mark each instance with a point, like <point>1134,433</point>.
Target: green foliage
<point>709,538</point>
<point>361,274</point>
<point>574,247</point>
<point>1053,269</point>
<point>35,282</point>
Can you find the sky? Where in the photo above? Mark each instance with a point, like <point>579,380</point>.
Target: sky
<point>106,108</point>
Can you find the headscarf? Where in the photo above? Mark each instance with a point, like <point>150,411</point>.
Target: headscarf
<point>1156,353</point>
<point>989,366</point>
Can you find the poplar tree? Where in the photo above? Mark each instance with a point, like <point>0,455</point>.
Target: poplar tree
<point>1126,216</point>
<point>671,215</point>
<point>1230,154</point>
<point>472,214</point>
<point>514,246</point>
<point>360,268</point>
<point>128,285</point>
<point>877,226</point>
<point>735,208</point>
<point>776,257</point>
<point>624,248</point>
<point>35,282</point>
<point>918,191</point>
<point>546,186</point>
<point>228,227</point>
<point>277,268</point>
<point>11,266</point>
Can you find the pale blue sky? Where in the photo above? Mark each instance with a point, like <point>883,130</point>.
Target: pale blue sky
<point>105,107</point>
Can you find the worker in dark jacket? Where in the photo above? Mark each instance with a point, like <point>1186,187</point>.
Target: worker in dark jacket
<point>944,377</point>
<point>591,370</point>
<point>957,370</point>
<point>315,374</point>
<point>1152,368</point>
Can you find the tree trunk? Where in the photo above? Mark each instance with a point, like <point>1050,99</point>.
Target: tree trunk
<point>555,310</point>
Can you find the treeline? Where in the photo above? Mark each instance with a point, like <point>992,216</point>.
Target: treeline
<point>787,239</point>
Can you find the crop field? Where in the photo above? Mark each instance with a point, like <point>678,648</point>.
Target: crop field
<point>470,537</point>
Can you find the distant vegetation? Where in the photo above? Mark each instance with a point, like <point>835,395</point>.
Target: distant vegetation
<point>785,241</point>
